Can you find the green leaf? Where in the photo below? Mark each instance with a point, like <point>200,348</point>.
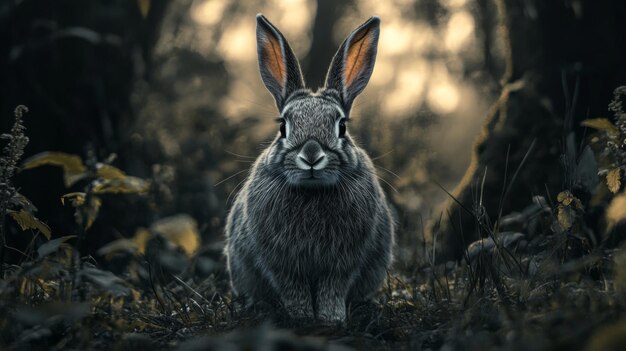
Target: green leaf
<point>27,220</point>
<point>73,167</point>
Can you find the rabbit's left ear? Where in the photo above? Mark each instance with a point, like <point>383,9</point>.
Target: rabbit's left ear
<point>279,67</point>
<point>353,63</point>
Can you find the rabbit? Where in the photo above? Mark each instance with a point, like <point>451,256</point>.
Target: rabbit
<point>311,228</point>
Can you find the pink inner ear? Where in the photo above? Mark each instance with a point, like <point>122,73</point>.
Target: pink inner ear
<point>356,56</point>
<point>275,61</point>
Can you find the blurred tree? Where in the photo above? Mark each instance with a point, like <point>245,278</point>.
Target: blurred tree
<point>323,45</point>
<point>563,59</point>
<point>73,63</point>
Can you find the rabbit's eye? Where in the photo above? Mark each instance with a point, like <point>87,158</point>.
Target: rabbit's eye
<point>283,128</point>
<point>342,127</point>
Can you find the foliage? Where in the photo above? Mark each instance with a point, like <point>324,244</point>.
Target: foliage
<point>11,201</point>
<point>610,142</point>
<point>100,178</point>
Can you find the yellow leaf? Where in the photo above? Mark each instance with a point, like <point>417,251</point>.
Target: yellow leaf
<point>126,185</point>
<point>601,124</point>
<point>106,171</point>
<point>616,212</point>
<point>77,198</point>
<point>26,221</point>
<point>142,235</point>
<point>90,212</point>
<point>73,167</point>
<point>135,245</point>
<point>613,180</point>
<point>144,7</point>
<point>180,230</point>
<point>566,217</point>
<point>565,197</point>
<point>577,203</point>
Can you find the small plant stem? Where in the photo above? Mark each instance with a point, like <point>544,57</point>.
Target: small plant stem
<point>2,241</point>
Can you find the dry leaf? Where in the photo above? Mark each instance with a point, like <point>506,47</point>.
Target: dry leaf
<point>144,7</point>
<point>613,180</point>
<point>616,212</point>
<point>90,212</point>
<point>73,167</point>
<point>180,230</point>
<point>76,199</point>
<point>26,221</point>
<point>135,245</point>
<point>566,217</point>
<point>106,171</point>
<point>126,185</point>
<point>563,195</point>
<point>142,235</point>
<point>601,124</point>
<point>566,199</point>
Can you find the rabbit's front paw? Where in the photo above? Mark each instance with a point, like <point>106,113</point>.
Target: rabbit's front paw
<point>332,311</point>
<point>299,308</point>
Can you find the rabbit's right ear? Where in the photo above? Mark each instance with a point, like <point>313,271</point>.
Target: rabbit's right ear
<point>279,67</point>
<point>353,64</point>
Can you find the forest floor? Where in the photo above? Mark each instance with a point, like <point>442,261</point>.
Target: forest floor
<point>498,298</point>
<point>540,279</point>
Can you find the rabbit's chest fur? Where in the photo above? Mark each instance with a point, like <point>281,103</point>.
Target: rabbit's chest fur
<point>311,230</point>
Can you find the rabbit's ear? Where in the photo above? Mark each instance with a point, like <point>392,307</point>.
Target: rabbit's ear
<point>353,63</point>
<point>279,67</point>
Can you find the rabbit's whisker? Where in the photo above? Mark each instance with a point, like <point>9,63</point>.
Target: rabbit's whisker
<point>385,169</point>
<point>232,176</point>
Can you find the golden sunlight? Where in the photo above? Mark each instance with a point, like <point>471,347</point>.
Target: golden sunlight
<point>459,29</point>
<point>408,93</point>
<point>208,12</point>
<point>443,93</point>
<point>238,41</point>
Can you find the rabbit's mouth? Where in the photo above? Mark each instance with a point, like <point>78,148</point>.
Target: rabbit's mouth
<point>313,178</point>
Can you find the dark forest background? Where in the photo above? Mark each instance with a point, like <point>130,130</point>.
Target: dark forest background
<point>496,125</point>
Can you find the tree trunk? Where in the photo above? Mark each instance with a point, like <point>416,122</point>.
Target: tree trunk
<point>323,47</point>
<point>553,48</point>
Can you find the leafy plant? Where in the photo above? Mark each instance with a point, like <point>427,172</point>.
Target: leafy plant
<point>100,178</point>
<point>12,203</point>
<point>610,142</point>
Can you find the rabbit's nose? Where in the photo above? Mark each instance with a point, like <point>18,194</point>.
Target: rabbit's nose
<point>311,156</point>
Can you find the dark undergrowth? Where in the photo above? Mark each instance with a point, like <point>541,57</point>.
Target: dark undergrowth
<point>550,276</point>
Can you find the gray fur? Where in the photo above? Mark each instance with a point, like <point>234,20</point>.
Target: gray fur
<point>313,240</point>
